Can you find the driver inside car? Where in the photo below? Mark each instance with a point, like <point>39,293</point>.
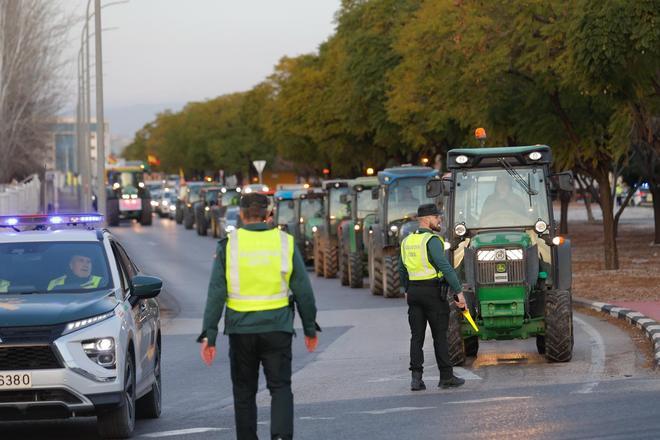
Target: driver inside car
<point>79,274</point>
<point>503,200</point>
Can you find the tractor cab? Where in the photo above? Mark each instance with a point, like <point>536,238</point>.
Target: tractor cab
<point>127,193</point>
<point>285,212</point>
<point>502,240</point>
<point>335,209</point>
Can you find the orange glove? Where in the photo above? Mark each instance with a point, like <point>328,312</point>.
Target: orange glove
<point>208,353</point>
<point>311,343</point>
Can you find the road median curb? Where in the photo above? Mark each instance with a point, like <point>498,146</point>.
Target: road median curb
<point>650,327</point>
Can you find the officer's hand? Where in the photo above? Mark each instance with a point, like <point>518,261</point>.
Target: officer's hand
<point>311,343</point>
<point>208,353</point>
<point>460,303</point>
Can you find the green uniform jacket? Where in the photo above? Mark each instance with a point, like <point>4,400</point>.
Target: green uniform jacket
<point>438,260</point>
<point>278,320</point>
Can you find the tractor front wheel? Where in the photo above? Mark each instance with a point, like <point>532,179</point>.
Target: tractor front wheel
<point>355,270</point>
<point>113,212</point>
<point>391,277</point>
<point>457,349</point>
<point>375,276</point>
<point>329,260</point>
<point>558,326</point>
<point>343,266</point>
<point>318,257</point>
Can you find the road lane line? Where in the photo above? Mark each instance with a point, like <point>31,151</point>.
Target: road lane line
<point>183,432</point>
<point>316,418</point>
<point>488,400</point>
<point>597,365</point>
<point>377,412</point>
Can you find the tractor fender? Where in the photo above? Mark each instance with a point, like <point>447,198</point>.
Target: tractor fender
<point>564,270</point>
<point>376,240</point>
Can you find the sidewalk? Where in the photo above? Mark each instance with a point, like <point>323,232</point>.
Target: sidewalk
<point>650,309</point>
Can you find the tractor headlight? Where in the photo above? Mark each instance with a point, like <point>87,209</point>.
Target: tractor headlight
<point>116,185</point>
<point>230,228</point>
<point>534,155</point>
<point>357,227</point>
<point>314,229</point>
<point>541,226</point>
<point>154,203</point>
<point>460,229</point>
<point>394,228</point>
<point>101,351</point>
<point>207,209</point>
<point>558,241</point>
<point>462,159</point>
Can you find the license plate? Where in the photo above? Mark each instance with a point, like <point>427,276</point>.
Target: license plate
<point>15,380</point>
<point>501,277</point>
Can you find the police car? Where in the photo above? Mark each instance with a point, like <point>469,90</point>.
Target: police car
<point>79,325</point>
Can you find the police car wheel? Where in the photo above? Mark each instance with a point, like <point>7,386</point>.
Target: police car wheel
<point>120,421</point>
<point>149,405</point>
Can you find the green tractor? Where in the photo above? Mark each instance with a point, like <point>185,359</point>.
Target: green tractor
<point>287,217</point>
<point>127,194</point>
<point>363,209</point>
<point>400,192</point>
<point>502,238</point>
<point>326,258</point>
<point>309,209</point>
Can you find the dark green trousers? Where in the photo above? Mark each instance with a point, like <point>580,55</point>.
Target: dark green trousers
<point>246,353</point>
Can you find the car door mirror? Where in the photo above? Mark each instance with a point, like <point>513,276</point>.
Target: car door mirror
<point>145,287</point>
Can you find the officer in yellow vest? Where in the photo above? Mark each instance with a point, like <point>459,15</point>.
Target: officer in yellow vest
<point>254,270</point>
<point>79,276</point>
<point>425,273</point>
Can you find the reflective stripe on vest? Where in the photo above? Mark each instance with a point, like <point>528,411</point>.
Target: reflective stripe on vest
<point>4,286</point>
<point>92,283</point>
<point>258,269</point>
<point>414,255</point>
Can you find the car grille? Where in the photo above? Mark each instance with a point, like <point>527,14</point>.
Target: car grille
<point>40,357</point>
<point>30,335</point>
<point>38,396</point>
<point>487,270</point>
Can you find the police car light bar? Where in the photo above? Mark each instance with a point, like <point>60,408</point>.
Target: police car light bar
<point>50,220</point>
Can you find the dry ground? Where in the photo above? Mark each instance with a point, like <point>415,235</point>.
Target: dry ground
<point>638,278</point>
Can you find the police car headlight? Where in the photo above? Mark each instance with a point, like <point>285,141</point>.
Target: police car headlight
<point>77,325</point>
<point>460,229</point>
<point>101,351</point>
<point>540,226</point>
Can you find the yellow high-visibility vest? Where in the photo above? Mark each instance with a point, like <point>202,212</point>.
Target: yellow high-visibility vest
<point>4,286</point>
<point>258,269</point>
<point>92,283</point>
<point>415,257</point>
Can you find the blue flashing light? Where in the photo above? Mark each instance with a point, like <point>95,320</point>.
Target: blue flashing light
<point>51,220</point>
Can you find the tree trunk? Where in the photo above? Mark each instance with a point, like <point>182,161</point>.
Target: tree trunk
<point>609,233</point>
<point>564,198</point>
<point>655,191</point>
<point>586,196</point>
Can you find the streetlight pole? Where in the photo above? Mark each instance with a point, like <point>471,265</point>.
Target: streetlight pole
<point>100,120</point>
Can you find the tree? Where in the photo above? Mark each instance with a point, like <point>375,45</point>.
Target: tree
<point>32,35</point>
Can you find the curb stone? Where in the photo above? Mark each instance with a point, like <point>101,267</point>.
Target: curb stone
<point>650,327</point>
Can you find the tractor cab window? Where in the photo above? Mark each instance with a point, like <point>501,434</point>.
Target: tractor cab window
<point>311,208</point>
<point>338,210</point>
<point>211,196</point>
<point>366,204</point>
<point>496,198</point>
<point>230,198</point>
<point>404,197</point>
<point>193,193</point>
<point>285,212</point>
<point>125,179</point>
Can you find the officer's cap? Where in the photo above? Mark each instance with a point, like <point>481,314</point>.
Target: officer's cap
<point>427,210</point>
<point>255,200</point>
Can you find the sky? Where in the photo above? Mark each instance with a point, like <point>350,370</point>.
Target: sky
<point>163,53</point>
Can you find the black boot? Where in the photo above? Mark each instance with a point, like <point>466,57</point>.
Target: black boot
<point>417,384</point>
<point>452,382</point>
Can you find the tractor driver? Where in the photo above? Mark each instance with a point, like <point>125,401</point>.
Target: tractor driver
<point>503,200</point>
<point>79,274</point>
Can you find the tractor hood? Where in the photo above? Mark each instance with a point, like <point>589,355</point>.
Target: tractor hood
<point>500,238</point>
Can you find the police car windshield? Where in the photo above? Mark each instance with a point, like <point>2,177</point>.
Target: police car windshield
<point>404,197</point>
<point>53,267</point>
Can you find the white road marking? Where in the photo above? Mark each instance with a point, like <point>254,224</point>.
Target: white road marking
<point>466,374</point>
<point>597,365</point>
<point>460,372</point>
<point>396,410</point>
<point>491,399</point>
<point>316,418</point>
<point>183,432</point>
<point>263,423</point>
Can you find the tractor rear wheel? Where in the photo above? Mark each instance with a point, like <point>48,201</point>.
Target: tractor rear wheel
<point>455,338</point>
<point>343,266</point>
<point>318,257</point>
<point>329,260</point>
<point>355,270</point>
<point>558,326</point>
<point>391,280</point>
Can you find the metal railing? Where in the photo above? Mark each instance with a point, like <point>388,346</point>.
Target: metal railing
<point>21,198</point>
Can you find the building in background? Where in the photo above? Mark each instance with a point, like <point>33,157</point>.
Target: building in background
<point>62,143</point>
